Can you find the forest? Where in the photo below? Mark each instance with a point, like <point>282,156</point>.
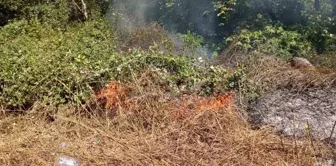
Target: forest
<point>167,82</point>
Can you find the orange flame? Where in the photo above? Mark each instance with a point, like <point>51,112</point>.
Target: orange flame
<point>193,103</point>
<point>111,96</point>
<point>116,95</point>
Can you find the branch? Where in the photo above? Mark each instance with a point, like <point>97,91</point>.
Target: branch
<point>82,9</point>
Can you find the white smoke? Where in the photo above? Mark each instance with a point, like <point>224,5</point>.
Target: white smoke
<point>129,15</point>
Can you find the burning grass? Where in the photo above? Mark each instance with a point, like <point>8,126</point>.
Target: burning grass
<point>118,97</point>
<point>141,123</point>
<point>149,128</point>
<point>210,138</point>
<point>190,105</point>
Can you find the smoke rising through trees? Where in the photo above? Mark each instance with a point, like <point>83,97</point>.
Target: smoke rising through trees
<point>313,19</point>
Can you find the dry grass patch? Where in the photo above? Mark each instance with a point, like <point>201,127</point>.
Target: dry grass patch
<point>148,137</point>
<point>269,73</point>
<point>326,60</point>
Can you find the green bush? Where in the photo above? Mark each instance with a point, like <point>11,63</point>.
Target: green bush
<point>272,40</point>
<point>192,40</point>
<point>178,71</point>
<point>39,62</point>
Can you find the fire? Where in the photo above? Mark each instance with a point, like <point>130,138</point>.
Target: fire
<point>116,96</point>
<point>194,103</point>
<point>111,96</point>
<point>221,101</point>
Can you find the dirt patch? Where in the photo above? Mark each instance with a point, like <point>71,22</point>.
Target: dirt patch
<point>311,113</point>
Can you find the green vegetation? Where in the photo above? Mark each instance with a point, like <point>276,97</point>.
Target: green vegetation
<point>55,66</point>
<point>39,62</point>
<point>272,40</point>
<point>47,55</point>
<point>312,20</point>
<point>42,63</point>
<point>60,52</point>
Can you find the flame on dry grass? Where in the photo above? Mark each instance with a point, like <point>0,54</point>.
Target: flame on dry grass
<point>221,101</point>
<point>218,136</point>
<point>111,96</point>
<point>116,96</point>
<point>191,104</point>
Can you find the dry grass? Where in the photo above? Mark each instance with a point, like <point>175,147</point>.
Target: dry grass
<point>209,138</point>
<point>269,73</point>
<point>148,135</point>
<point>326,60</point>
<point>142,124</point>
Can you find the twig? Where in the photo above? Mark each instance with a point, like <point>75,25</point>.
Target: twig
<point>332,132</point>
<point>309,134</point>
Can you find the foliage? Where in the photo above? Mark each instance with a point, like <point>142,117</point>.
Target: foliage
<point>193,40</point>
<point>319,24</point>
<point>42,63</point>
<point>313,20</point>
<point>43,57</point>
<point>220,19</point>
<point>56,13</point>
<point>176,71</point>
<point>196,46</point>
<point>273,40</point>
<point>180,16</point>
<point>224,8</point>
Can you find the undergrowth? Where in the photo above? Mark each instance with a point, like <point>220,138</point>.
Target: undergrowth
<point>274,40</point>
<point>55,65</point>
<point>59,66</point>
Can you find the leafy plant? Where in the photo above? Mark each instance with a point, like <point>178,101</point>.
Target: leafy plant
<point>273,40</point>
<point>42,63</point>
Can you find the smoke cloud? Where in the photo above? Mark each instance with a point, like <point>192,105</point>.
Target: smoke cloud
<point>198,16</point>
<point>129,14</point>
<point>195,15</point>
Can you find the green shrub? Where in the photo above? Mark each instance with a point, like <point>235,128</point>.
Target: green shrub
<point>39,62</point>
<point>177,72</point>
<point>272,40</point>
